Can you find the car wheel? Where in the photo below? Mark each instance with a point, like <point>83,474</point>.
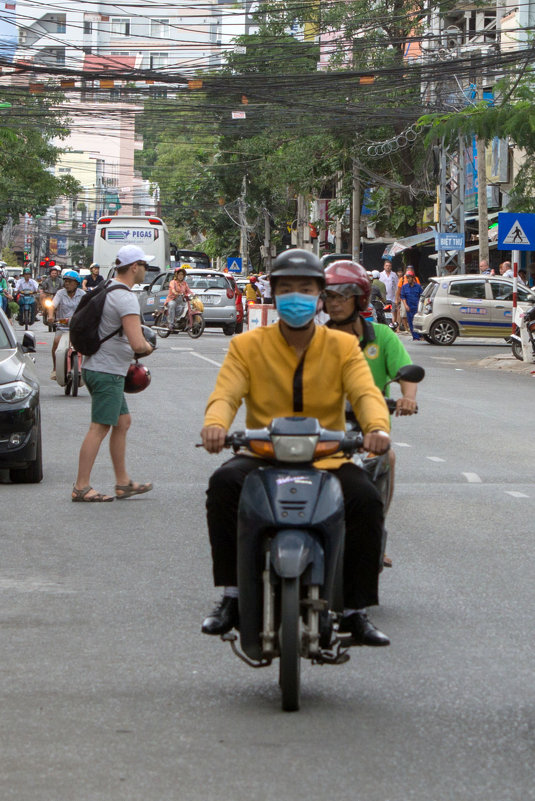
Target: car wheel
<point>32,474</point>
<point>229,330</point>
<point>427,338</point>
<point>443,332</point>
<point>239,328</point>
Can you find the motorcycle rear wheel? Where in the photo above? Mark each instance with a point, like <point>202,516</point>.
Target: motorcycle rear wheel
<point>163,320</point>
<point>290,645</point>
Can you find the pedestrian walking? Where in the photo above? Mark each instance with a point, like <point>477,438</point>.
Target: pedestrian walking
<point>104,376</point>
<point>410,296</point>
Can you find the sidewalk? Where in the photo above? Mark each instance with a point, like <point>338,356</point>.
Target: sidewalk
<point>507,362</point>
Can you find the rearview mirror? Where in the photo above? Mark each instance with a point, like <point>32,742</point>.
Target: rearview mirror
<point>410,372</point>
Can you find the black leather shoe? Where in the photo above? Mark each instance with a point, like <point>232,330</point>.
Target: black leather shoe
<point>362,631</point>
<point>224,617</point>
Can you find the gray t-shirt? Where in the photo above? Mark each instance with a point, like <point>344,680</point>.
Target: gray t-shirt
<point>114,355</point>
<point>65,306</point>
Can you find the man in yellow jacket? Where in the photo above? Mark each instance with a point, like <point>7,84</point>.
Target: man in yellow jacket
<point>297,368</point>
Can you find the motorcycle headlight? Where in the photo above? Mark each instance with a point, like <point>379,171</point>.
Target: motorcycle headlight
<point>14,392</point>
<point>294,449</point>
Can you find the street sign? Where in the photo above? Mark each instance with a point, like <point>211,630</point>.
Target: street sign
<point>449,241</point>
<point>234,264</point>
<point>516,231</point>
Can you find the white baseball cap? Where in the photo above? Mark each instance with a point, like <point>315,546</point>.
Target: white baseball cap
<point>130,254</point>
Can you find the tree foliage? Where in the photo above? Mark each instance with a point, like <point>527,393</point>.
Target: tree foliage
<point>27,153</point>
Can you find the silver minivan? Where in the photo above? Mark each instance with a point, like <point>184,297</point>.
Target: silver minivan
<point>467,306</point>
<point>211,286</point>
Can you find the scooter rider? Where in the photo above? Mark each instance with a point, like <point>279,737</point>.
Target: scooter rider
<point>347,293</point>
<point>27,284</point>
<point>66,302</point>
<point>178,290</point>
<point>297,368</point>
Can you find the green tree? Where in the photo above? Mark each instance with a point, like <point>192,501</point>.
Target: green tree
<point>27,154</point>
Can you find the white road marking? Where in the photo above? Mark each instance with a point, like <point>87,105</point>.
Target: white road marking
<point>459,370</point>
<point>472,478</point>
<point>515,494</point>
<point>444,358</point>
<point>206,359</point>
<point>32,584</point>
<point>435,459</point>
<point>402,445</point>
<point>188,349</point>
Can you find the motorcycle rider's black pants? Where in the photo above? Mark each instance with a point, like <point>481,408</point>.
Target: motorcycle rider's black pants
<point>364,527</point>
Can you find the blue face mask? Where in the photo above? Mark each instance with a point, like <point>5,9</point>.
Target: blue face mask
<point>297,309</point>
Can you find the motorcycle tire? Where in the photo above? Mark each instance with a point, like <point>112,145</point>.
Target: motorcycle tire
<point>290,645</point>
<point>516,348</point>
<point>162,320</point>
<point>197,328</point>
<point>75,375</point>
<point>68,384</point>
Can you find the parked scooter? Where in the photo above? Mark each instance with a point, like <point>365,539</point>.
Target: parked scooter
<point>523,336</point>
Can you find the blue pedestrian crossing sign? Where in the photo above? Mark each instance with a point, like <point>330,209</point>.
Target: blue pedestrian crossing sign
<point>516,231</point>
<point>234,264</point>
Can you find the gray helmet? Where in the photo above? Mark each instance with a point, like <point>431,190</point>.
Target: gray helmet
<point>295,263</point>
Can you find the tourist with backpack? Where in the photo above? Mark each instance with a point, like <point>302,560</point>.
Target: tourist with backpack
<point>106,327</point>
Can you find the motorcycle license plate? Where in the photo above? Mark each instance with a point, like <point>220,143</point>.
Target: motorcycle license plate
<point>210,300</point>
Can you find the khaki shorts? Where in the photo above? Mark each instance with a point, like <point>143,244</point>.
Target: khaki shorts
<point>108,402</point>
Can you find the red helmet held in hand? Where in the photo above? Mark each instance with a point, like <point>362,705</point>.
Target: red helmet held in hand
<point>137,378</point>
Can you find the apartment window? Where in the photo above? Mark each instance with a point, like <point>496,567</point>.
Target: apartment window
<point>88,28</point>
<point>158,60</point>
<point>159,28</point>
<point>61,26</point>
<point>120,26</point>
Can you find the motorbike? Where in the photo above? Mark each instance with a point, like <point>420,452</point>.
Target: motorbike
<point>27,305</point>
<point>48,307</point>
<point>378,467</point>
<point>190,320</point>
<point>523,328</point>
<point>68,365</point>
<point>290,546</point>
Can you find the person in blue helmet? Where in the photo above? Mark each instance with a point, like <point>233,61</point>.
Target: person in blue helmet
<point>65,302</point>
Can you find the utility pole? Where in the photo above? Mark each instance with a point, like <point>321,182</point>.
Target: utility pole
<point>267,241</point>
<point>244,245</point>
<point>355,212</point>
<point>338,229</point>
<point>482,207</point>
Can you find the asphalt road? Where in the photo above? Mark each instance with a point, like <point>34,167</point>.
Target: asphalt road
<point>109,691</point>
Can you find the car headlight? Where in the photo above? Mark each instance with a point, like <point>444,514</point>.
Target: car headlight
<point>14,392</point>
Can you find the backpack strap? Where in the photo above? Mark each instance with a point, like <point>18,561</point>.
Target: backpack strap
<point>107,290</point>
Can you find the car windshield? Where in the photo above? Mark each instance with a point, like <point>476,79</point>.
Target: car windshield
<point>206,281</point>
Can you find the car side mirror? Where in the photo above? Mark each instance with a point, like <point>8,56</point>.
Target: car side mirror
<point>28,343</point>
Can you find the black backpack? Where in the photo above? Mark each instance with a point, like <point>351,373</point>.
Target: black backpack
<point>85,321</point>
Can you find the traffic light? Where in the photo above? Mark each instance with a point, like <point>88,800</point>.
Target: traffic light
<point>47,263</point>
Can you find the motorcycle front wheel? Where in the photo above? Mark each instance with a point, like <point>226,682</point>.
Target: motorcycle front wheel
<point>290,645</point>
<point>75,375</point>
<point>516,347</point>
<point>197,328</point>
<point>162,332</point>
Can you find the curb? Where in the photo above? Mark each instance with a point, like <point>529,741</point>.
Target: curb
<point>508,364</point>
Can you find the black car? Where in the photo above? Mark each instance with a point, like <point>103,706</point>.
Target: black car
<point>20,413</point>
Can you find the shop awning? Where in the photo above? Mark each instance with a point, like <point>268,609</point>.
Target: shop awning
<point>399,245</point>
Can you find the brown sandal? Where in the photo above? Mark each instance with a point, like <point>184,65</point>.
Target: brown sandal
<point>127,490</point>
<point>80,496</point>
